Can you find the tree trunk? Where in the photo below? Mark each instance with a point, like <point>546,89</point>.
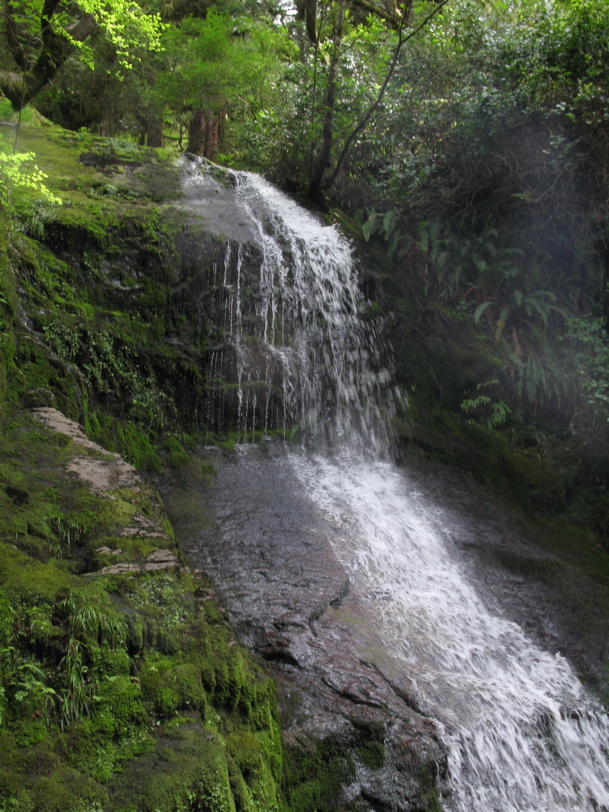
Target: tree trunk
<point>197,133</point>
<point>402,39</point>
<point>56,48</point>
<point>154,132</point>
<point>211,146</point>
<point>204,134</point>
<point>311,20</point>
<point>307,11</point>
<point>323,161</point>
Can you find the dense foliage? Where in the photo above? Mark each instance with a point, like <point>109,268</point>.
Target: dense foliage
<point>40,35</point>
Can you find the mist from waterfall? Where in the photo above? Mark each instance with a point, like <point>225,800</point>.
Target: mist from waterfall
<point>523,734</point>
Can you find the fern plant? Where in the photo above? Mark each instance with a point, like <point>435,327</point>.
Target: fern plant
<point>489,412</point>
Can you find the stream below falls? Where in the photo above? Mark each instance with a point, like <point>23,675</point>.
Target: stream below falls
<point>337,564</point>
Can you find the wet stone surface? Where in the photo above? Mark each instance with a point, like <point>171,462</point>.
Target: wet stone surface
<point>291,602</point>
<point>270,553</point>
<point>517,567</point>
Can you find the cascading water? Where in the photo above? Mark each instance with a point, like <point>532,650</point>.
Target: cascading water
<point>302,358</point>
<point>523,735</point>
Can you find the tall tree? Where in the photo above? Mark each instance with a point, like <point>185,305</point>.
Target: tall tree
<point>398,18</point>
<point>218,69</point>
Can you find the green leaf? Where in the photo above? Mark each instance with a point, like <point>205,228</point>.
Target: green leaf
<point>368,226</point>
<point>480,310</point>
<point>389,222</point>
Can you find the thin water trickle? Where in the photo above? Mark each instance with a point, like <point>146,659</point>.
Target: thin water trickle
<point>522,732</point>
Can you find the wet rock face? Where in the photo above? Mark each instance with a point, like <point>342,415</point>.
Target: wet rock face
<point>523,571</point>
<point>291,601</point>
<point>345,700</point>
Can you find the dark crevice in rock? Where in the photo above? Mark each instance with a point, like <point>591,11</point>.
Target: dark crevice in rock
<point>336,602</point>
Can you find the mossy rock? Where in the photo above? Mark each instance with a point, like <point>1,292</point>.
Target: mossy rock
<point>258,788</point>
<point>187,769</point>
<point>315,776</point>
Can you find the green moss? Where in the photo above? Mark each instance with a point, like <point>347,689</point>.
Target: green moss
<point>315,780</point>
<point>426,777</point>
<point>122,700</point>
<point>20,574</point>
<point>257,788</point>
<point>372,754</point>
<point>112,730</point>
<point>99,664</point>
<point>63,789</point>
<point>8,308</point>
<point>177,456</point>
<point>187,769</point>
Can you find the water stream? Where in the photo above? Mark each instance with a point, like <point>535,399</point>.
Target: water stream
<point>523,734</point>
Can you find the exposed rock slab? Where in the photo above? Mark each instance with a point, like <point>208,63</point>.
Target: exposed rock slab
<point>291,601</point>
<point>103,473</point>
<point>106,474</point>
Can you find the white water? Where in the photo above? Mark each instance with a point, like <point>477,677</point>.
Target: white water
<point>522,733</point>
<point>305,337</point>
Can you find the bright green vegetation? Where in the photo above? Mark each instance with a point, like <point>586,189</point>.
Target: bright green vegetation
<point>119,690</point>
<point>99,289</point>
<point>41,37</point>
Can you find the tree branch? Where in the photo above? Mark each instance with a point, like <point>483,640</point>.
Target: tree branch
<point>402,40</point>
<point>327,131</point>
<point>56,48</point>
<point>80,30</point>
<point>12,41</point>
<point>371,8</point>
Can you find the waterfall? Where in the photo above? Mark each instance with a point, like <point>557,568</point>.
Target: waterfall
<point>522,732</point>
<point>296,349</point>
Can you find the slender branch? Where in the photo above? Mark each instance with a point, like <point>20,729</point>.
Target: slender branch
<point>402,40</point>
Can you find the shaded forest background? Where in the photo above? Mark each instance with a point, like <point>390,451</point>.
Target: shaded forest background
<point>463,144</point>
